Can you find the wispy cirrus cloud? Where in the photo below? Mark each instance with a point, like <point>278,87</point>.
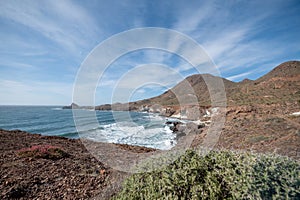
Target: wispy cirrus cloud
<point>18,65</point>
<point>144,76</point>
<point>62,22</point>
<point>188,22</point>
<point>233,34</point>
<point>238,76</point>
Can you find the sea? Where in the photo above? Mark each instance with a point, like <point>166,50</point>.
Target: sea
<point>142,129</point>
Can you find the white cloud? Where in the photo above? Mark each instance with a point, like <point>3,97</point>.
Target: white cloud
<point>230,39</point>
<point>63,22</point>
<point>34,93</point>
<point>181,67</point>
<point>238,76</point>
<point>144,76</point>
<point>149,73</point>
<point>226,41</point>
<point>107,83</point>
<point>17,65</point>
<point>188,22</point>
<point>141,91</point>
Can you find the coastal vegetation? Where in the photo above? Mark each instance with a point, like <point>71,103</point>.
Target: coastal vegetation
<point>218,175</point>
<point>43,151</point>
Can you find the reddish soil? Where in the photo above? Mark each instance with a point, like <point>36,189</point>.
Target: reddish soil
<point>76,176</point>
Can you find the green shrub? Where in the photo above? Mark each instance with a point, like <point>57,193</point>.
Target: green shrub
<point>218,175</point>
<point>275,178</point>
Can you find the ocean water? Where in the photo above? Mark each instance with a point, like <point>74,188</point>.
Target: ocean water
<point>143,129</point>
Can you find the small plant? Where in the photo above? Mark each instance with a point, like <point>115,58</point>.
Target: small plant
<point>43,151</point>
<point>258,138</point>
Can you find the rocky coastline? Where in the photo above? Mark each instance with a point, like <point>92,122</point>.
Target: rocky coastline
<point>182,121</point>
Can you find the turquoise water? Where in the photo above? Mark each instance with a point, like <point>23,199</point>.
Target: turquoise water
<point>141,129</point>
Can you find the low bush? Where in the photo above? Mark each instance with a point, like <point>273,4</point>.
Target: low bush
<point>218,175</point>
<point>43,151</point>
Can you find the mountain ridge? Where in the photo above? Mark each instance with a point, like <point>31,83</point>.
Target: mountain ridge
<point>263,90</point>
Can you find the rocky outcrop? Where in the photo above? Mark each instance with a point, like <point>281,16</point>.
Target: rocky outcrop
<point>120,107</point>
<point>182,129</point>
<point>72,106</point>
<point>240,109</point>
<point>76,106</point>
<point>103,107</point>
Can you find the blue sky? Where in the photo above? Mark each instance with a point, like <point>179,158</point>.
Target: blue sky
<point>43,43</point>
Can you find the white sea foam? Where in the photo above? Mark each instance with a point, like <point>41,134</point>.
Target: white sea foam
<point>56,108</point>
<point>128,133</point>
<point>167,129</point>
<point>296,114</point>
<point>154,117</point>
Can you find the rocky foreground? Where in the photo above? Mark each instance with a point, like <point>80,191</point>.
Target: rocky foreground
<point>74,175</point>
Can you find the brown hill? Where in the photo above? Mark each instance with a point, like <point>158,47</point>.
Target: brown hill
<point>281,85</point>
<point>259,113</point>
<point>192,86</point>
<point>191,91</point>
<point>286,69</point>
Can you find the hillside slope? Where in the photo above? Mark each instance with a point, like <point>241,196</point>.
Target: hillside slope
<point>281,85</point>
